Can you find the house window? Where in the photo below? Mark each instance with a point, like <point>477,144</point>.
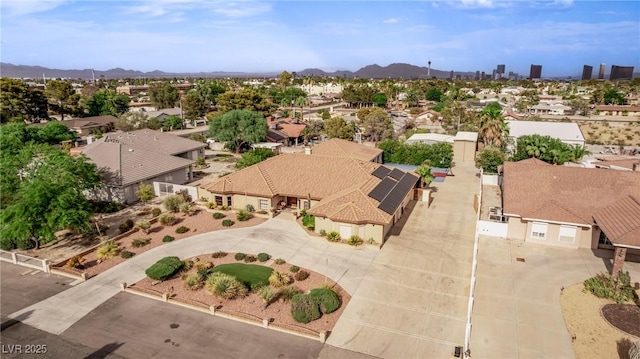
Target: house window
<point>305,204</point>
<point>264,204</point>
<point>539,231</point>
<point>218,200</point>
<point>567,234</point>
<point>229,201</point>
<point>603,240</point>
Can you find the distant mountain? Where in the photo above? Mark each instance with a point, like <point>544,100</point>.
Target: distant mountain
<point>394,71</point>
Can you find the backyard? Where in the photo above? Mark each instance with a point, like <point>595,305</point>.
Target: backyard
<point>611,133</point>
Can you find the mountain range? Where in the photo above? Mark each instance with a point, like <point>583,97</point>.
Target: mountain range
<point>394,71</point>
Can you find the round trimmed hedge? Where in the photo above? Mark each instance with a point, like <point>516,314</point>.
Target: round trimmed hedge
<point>304,309</point>
<point>164,268</point>
<point>326,298</point>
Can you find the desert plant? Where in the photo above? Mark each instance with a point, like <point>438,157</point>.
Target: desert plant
<point>355,240</point>
<point>239,256</point>
<point>604,285</point>
<point>140,242</point>
<point>243,215</point>
<point>371,241</point>
<point>126,254</point>
<point>155,211</point>
<point>287,292</point>
<point>218,254</point>
<point>164,268</point>
<point>249,259</point>
<point>167,219</point>
<point>182,229</point>
<point>224,207</point>
<point>203,265</point>
<point>167,239</point>
<point>225,286</point>
<point>107,250</point>
<point>333,236</point>
<point>227,223</point>
<point>75,262</point>
<point>211,205</point>
<point>172,202</point>
<point>279,279</point>
<point>326,298</point>
<point>126,226</point>
<point>218,215</point>
<point>279,261</point>
<point>187,265</point>
<point>186,208</point>
<point>263,257</point>
<point>303,212</point>
<point>294,269</point>
<point>250,208</point>
<point>323,233</point>
<point>267,295</point>
<point>302,275</point>
<point>184,194</point>
<point>143,225</point>
<point>193,281</point>
<point>304,309</point>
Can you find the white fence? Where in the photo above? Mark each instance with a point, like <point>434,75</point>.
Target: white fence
<point>472,282</point>
<point>492,229</point>
<point>24,260</point>
<point>162,189</point>
<point>491,180</point>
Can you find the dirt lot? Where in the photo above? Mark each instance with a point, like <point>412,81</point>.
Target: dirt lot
<point>614,133</point>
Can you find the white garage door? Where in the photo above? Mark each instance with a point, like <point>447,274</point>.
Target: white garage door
<point>345,231</point>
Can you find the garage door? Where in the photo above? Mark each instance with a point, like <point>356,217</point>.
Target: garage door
<point>345,231</point>
<point>567,234</point>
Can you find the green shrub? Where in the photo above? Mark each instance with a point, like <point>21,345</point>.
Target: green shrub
<point>304,309</point>
<point>165,268</point>
<point>167,239</point>
<point>604,285</point>
<point>243,215</point>
<point>203,265</point>
<point>279,279</point>
<point>355,240</point>
<point>108,250</point>
<point>249,259</point>
<point>126,254</point>
<point>224,207</point>
<point>218,254</point>
<point>309,221</point>
<point>227,223</point>
<point>279,261</point>
<point>263,257</point>
<point>323,233</point>
<point>143,225</point>
<point>302,275</point>
<point>172,202</point>
<point>155,211</point>
<point>294,269</point>
<point>126,226</point>
<point>326,298</point>
<point>287,292</point>
<point>225,286</point>
<point>266,294</point>
<point>211,205</point>
<point>182,229</point>
<point>239,256</point>
<point>186,265</point>
<point>193,281</point>
<point>167,219</point>
<point>140,242</point>
<point>303,213</point>
<point>333,236</point>
<point>218,215</point>
<point>250,208</point>
<point>186,208</point>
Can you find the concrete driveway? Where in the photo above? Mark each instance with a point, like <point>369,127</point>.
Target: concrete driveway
<point>517,310</point>
<point>280,238</point>
<point>413,300</point>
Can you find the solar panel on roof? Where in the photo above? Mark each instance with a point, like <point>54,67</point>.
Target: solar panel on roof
<point>397,193</point>
<point>381,172</point>
<point>382,189</point>
<point>396,173</point>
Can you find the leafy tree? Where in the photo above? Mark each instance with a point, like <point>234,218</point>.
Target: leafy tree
<point>380,99</point>
<point>254,156</point>
<point>130,121</point>
<point>417,154</point>
<point>490,158</point>
<point>324,113</point>
<point>290,95</point>
<point>163,95</point>
<point>613,97</point>
<point>425,174</point>
<point>411,98</point>
<point>375,124</point>
<point>145,192</point>
<point>195,105</point>
<point>434,94</point>
<point>48,196</point>
<point>358,95</point>
<point>313,130</point>
<point>62,97</point>
<point>545,148</point>
<point>237,128</point>
<point>172,123</point>
<point>107,102</point>
<point>492,128</point>
<point>19,102</point>
<point>246,99</point>
<point>210,91</point>
<point>580,106</point>
<point>284,79</point>
<point>337,127</point>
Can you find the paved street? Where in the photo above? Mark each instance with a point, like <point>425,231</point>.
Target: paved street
<point>413,300</point>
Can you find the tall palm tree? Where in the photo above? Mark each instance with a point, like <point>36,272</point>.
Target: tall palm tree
<point>578,153</point>
<point>492,127</point>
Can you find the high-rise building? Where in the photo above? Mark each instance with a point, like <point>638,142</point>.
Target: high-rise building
<point>535,72</point>
<point>482,76</point>
<point>601,72</point>
<point>621,72</point>
<point>451,75</point>
<point>477,75</point>
<point>587,71</point>
<point>500,69</point>
<point>494,74</point>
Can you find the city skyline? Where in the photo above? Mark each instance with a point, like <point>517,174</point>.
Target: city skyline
<point>199,36</point>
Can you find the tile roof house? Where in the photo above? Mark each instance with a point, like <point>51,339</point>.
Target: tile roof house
<point>147,156</point>
<point>344,191</point>
<point>84,126</point>
<point>343,148</point>
<point>560,205</point>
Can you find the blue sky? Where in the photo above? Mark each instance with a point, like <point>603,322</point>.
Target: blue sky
<point>251,36</point>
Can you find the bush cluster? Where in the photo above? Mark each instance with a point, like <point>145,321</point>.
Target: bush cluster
<point>355,240</point>
<point>225,286</point>
<point>172,202</point>
<point>227,223</point>
<point>218,254</point>
<point>140,242</point>
<point>304,309</point>
<point>333,236</point>
<point>164,268</point>
<point>438,154</point>
<point>249,259</point>
<point>239,256</point>
<point>301,275</point>
<point>279,279</point>
<point>182,229</point>
<point>243,215</point>
<point>279,261</point>
<point>167,239</point>
<point>75,262</point>
<point>604,285</point>
<point>250,208</point>
<point>108,250</point>
<point>167,219</point>
<point>263,257</point>
<point>155,211</point>
<point>126,226</point>
<point>309,221</point>
<point>126,254</point>
<point>327,299</point>
<point>294,269</point>
<point>218,215</point>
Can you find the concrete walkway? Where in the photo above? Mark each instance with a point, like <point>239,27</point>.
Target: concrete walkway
<point>413,300</point>
<point>517,310</point>
<point>280,238</point>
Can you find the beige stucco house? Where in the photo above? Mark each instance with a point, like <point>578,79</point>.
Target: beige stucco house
<point>336,182</point>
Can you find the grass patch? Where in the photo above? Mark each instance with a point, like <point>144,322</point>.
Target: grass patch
<point>249,274</point>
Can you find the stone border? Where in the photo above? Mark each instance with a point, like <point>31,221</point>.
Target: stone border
<point>613,326</point>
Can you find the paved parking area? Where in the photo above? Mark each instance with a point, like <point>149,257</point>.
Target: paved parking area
<point>413,300</point>
<point>517,310</point>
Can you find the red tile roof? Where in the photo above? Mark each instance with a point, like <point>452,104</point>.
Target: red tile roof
<point>343,148</point>
<point>621,221</point>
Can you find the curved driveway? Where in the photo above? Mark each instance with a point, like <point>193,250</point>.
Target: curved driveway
<point>280,238</point>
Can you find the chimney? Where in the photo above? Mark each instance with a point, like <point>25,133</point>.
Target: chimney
<point>307,150</point>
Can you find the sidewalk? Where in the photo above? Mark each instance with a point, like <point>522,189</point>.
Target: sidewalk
<point>282,239</point>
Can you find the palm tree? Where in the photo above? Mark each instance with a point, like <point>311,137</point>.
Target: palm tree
<point>425,174</point>
<point>492,126</point>
<point>578,153</point>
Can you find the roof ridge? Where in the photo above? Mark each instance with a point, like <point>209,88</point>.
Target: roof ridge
<point>267,179</point>
<point>370,201</point>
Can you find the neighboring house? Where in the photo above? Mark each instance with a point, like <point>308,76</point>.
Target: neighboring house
<point>163,114</point>
<point>550,108</point>
<point>618,110</point>
<point>464,143</point>
<point>346,194</point>
<point>511,116</point>
<point>129,158</point>
<point>342,148</point>
<point>86,125</point>
<point>567,132</point>
<point>566,206</point>
<point>428,116</point>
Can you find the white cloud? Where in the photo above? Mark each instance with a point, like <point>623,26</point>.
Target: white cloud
<point>391,21</point>
<point>239,9</point>
<point>25,7</point>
